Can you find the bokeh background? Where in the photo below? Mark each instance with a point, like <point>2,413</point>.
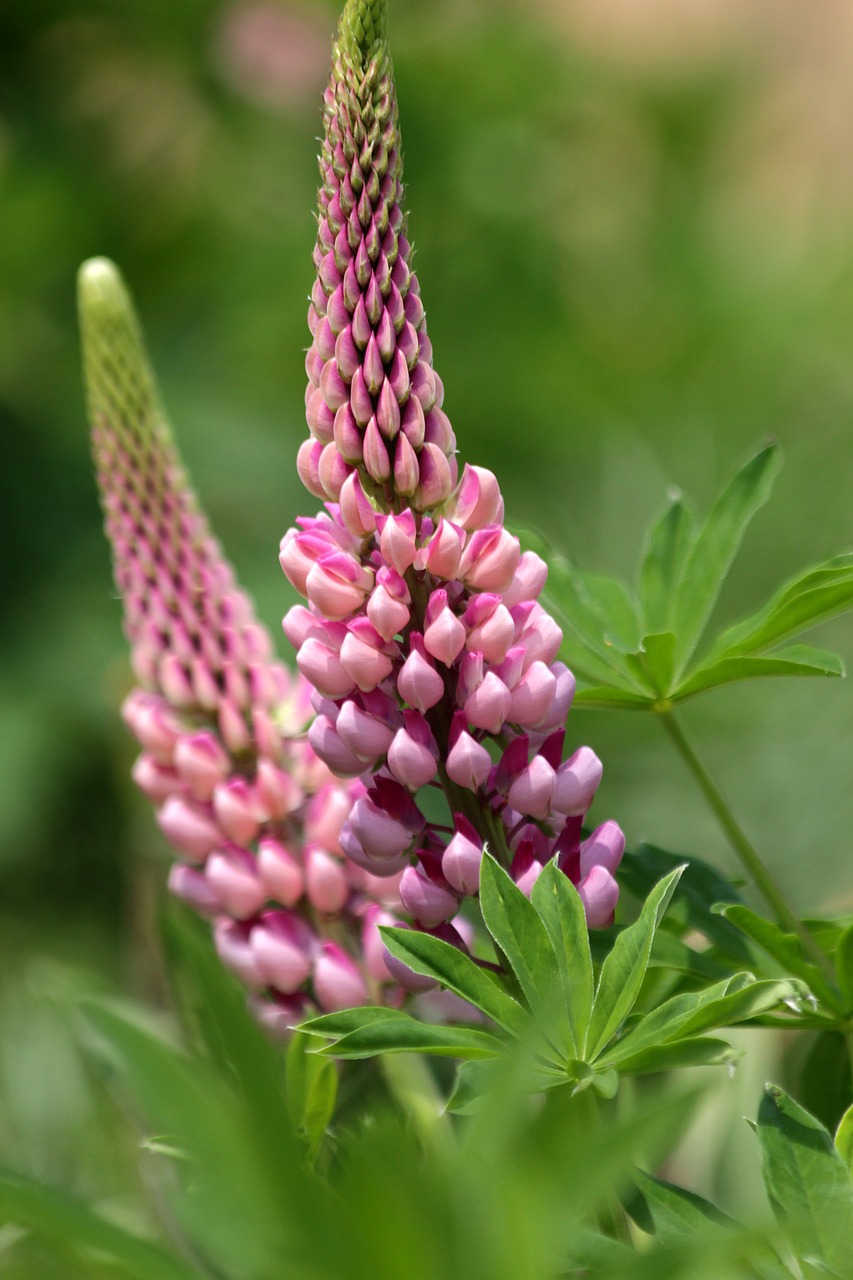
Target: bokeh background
<point>634,231</point>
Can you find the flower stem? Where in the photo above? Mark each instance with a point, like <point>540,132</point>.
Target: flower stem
<point>743,846</point>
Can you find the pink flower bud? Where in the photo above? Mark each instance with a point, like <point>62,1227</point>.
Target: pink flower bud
<point>354,852</point>
<point>436,477</point>
<point>174,681</point>
<point>397,539</point>
<point>407,471</point>
<point>477,501</point>
<point>328,809</point>
<point>193,888</point>
<point>541,638</point>
<point>563,695</point>
<point>325,880</point>
<point>533,789</point>
<point>418,683</point>
<point>237,810</point>
<point>530,577</point>
<point>363,657</point>
<point>202,763</point>
<point>490,559</point>
<point>491,629</point>
<point>324,739</point>
<point>488,706</point>
<point>377,463</point>
<point>156,781</point>
<point>279,872</point>
<point>389,616</point>
<point>154,725</point>
<point>468,762</point>
<point>333,471</point>
<point>603,848</point>
<point>443,552</point>
<point>308,466</point>
<point>233,876</point>
<point>236,953</point>
<point>366,737</point>
<point>413,754</point>
<point>386,821</point>
<point>299,552</point>
<point>533,696</point>
<point>337,584</point>
<point>372,947</point>
<point>283,949</point>
<point>599,894</point>
<point>426,901</point>
<point>299,623</point>
<point>323,668</point>
<point>444,634</point>
<point>337,981</point>
<point>577,782</point>
<point>356,511</point>
<point>277,793</point>
<point>189,827</point>
<point>461,860</point>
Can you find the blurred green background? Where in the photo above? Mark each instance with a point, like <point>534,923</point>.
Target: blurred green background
<point>633,222</point>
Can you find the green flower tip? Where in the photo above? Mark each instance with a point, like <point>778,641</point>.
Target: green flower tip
<point>101,291</point>
<point>362,35</point>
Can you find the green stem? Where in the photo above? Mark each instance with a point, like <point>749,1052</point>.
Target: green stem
<point>743,846</point>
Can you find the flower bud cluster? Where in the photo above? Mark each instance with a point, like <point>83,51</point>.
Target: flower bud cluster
<point>373,401</point>
<point>253,814</point>
<point>433,664</point>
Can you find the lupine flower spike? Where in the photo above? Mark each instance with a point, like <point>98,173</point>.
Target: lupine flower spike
<point>253,815</point>
<point>432,662</point>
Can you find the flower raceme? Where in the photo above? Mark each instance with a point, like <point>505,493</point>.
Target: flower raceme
<point>254,815</point>
<point>431,660</point>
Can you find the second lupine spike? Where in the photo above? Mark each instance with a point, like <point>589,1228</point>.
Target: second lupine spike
<point>373,402</point>
<point>254,816</point>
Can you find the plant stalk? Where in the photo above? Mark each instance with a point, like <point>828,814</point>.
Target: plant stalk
<point>743,846</point>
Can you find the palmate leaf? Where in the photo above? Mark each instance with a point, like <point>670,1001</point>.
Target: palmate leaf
<point>807,1182</point>
<point>561,912</point>
<point>405,1034</point>
<point>786,949</point>
<point>644,654</point>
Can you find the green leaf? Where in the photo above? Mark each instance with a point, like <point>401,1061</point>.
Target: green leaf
<point>699,889</point>
<point>457,972</point>
<point>721,1005</point>
<point>822,592</point>
<point>514,924</point>
<point>671,1213</point>
<point>694,1051</point>
<point>312,1086</point>
<point>409,1035</point>
<point>341,1023</point>
<point>705,568</point>
<point>844,1139</point>
<point>473,1081</point>
<point>561,911</point>
<point>807,1182</point>
<point>76,1229</point>
<point>824,1078</point>
<point>669,543</point>
<point>602,698</point>
<point>617,609</point>
<point>796,660</point>
<point>659,659</point>
<point>786,950</point>
<point>624,969</point>
<point>844,966</point>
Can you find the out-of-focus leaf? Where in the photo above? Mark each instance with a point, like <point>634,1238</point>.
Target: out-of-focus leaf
<point>561,911</point>
<point>409,1035</point>
<point>624,969</point>
<point>669,543</point>
<point>670,1212</point>
<point>824,1080</point>
<point>515,926</point>
<point>602,698</point>
<point>694,1051</point>
<point>786,950</point>
<point>796,660</point>
<point>73,1228</point>
<point>807,1182</point>
<point>312,1086</point>
<point>699,889</point>
<point>819,593</point>
<point>706,566</point>
<point>436,959</point>
<point>844,966</point>
<point>844,1138</point>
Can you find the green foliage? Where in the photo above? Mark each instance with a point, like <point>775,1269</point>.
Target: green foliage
<point>585,1034</point>
<point>641,651</point>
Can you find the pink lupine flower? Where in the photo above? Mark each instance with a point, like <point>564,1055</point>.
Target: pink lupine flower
<point>253,814</point>
<point>448,637</point>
